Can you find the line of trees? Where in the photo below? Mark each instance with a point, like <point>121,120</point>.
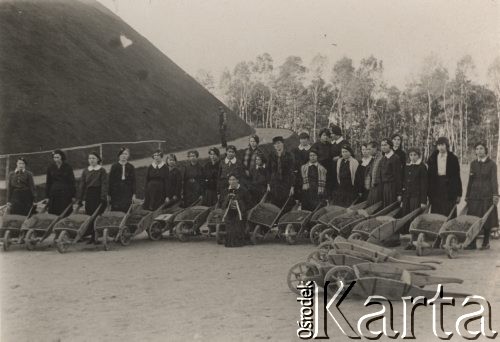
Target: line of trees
<point>307,97</point>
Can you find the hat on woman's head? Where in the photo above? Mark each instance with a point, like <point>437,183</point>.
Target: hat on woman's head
<point>123,149</point>
<point>348,148</point>
<point>443,141</point>
<point>335,129</point>
<point>278,139</point>
<point>415,150</point>
<point>231,147</point>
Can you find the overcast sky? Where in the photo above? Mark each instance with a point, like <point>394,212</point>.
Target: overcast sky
<point>214,34</point>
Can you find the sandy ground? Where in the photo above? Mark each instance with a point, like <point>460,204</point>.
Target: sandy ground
<point>168,290</point>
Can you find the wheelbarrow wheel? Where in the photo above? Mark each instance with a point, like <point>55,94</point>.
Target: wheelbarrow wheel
<point>219,236</point>
<point>257,235</point>
<point>451,246</point>
<point>326,246</point>
<point>62,243</point>
<point>6,241</point>
<point>355,236</point>
<point>318,256</point>
<point>178,232</point>
<point>338,274</point>
<point>30,240</point>
<point>155,231</point>
<point>327,235</point>
<point>105,241</point>
<point>125,236</point>
<point>419,245</point>
<point>314,233</point>
<point>302,273</point>
<point>291,234</point>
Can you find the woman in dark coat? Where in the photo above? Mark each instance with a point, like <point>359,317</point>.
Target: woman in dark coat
<point>397,143</point>
<point>250,153</point>
<point>325,157</point>
<point>482,191</point>
<point>21,189</point>
<point>94,188</point>
<point>414,184</point>
<point>193,180</point>
<point>60,185</point>
<point>363,173</point>
<point>258,180</point>
<point>445,185</point>
<point>281,175</point>
<point>156,183</point>
<point>211,175</point>
<point>389,174</point>
<point>173,180</point>
<point>236,204</point>
<point>229,165</point>
<point>313,176</point>
<point>301,156</point>
<point>346,191</point>
<point>122,182</point>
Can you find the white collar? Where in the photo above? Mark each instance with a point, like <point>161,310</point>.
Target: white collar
<point>304,148</point>
<point>366,161</point>
<point>263,166</point>
<point>122,163</point>
<point>19,170</point>
<point>389,154</point>
<point>482,159</point>
<point>234,189</point>
<point>232,161</point>
<point>417,163</point>
<point>339,140</point>
<point>94,168</point>
<point>312,164</point>
<point>157,166</point>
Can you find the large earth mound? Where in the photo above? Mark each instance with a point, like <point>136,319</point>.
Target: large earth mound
<point>69,76</point>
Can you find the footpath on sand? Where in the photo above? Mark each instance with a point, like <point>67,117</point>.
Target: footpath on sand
<point>265,134</point>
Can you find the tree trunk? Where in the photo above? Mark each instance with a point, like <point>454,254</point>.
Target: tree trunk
<point>428,139</point>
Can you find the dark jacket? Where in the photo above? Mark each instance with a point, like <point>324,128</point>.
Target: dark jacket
<point>415,182</point>
<point>281,169</point>
<point>173,183</point>
<point>452,175</point>
<point>483,183</point>
<point>390,172</point>
<point>115,176</point>
<point>60,177</point>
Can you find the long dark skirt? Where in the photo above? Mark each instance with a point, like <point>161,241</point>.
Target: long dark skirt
<point>374,195</point>
<point>154,195</point>
<point>310,199</point>
<point>477,207</point>
<point>279,194</point>
<point>210,198</point>
<point>192,192</point>
<point>235,229</point>
<point>92,202</point>
<point>409,204</point>
<point>344,198</point>
<point>389,193</point>
<point>121,196</point>
<point>22,201</point>
<point>59,199</point>
<point>256,195</point>
<point>440,203</point>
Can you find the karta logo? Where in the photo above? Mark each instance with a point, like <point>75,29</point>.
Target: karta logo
<point>316,310</point>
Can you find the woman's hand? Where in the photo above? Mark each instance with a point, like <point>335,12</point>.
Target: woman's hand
<point>495,200</point>
<point>423,205</point>
<point>268,188</point>
<point>400,198</point>
<point>292,191</point>
<point>458,199</point>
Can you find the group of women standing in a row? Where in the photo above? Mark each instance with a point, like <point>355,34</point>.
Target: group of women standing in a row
<point>308,173</point>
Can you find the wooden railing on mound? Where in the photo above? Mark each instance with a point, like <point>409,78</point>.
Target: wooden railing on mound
<point>77,156</point>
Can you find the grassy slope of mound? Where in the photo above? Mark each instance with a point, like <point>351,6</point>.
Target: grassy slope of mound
<point>66,80</point>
